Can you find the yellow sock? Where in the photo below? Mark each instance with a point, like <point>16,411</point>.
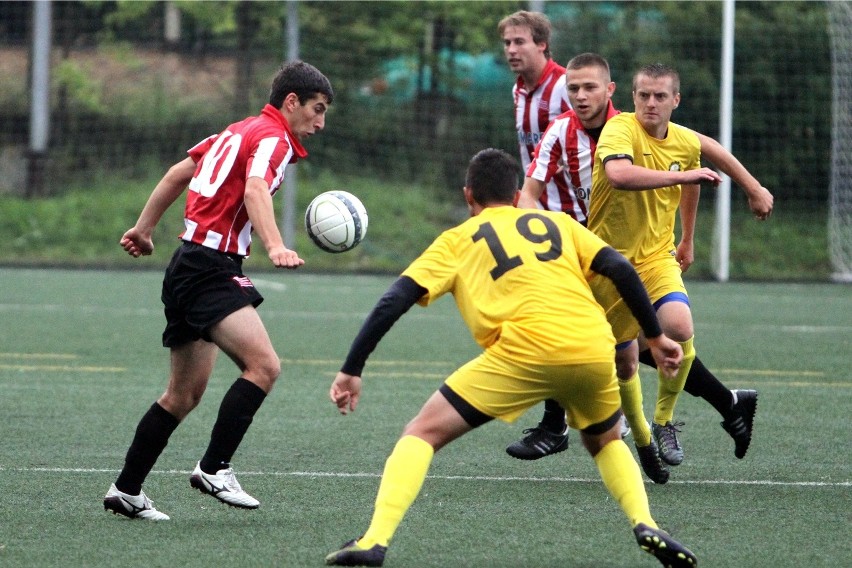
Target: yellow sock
<point>402,479</point>
<point>623,480</point>
<point>669,389</point>
<point>631,405</point>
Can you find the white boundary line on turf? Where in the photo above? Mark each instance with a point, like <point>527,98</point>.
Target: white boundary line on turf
<point>757,482</point>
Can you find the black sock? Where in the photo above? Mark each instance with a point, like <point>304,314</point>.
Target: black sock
<point>152,435</point>
<point>236,413</point>
<point>553,419</point>
<point>702,383</point>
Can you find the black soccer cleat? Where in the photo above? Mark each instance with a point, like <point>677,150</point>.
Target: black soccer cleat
<point>538,443</point>
<point>353,555</point>
<point>663,547</point>
<point>652,465</point>
<point>666,436</point>
<point>741,421</point>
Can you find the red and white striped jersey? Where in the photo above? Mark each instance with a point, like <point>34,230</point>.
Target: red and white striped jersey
<point>259,146</point>
<point>566,152</point>
<point>534,110</point>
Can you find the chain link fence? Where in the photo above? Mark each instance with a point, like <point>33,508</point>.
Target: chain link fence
<point>420,85</point>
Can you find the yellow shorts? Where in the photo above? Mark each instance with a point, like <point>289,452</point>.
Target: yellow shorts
<point>505,390</point>
<point>661,275</point>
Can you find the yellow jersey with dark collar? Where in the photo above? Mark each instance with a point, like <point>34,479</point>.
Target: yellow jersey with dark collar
<point>520,280</point>
<point>639,224</point>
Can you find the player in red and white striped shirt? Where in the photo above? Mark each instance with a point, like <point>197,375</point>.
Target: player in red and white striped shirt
<point>210,305</point>
<point>539,96</point>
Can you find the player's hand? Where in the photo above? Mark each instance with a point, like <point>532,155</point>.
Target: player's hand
<point>345,392</point>
<point>760,202</point>
<point>685,255</point>
<point>667,353</point>
<point>282,257</point>
<point>702,175</point>
<point>137,243</point>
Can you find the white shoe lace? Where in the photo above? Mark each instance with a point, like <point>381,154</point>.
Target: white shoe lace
<point>231,480</point>
<point>146,503</point>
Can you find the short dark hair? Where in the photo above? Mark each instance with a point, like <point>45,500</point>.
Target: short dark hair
<point>537,22</point>
<point>658,71</point>
<point>493,176</point>
<point>588,60</point>
<point>301,78</point>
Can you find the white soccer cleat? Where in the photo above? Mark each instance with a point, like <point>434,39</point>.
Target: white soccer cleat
<point>223,486</point>
<point>132,506</point>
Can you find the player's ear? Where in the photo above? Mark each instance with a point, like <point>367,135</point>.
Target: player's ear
<point>291,101</point>
<point>468,195</point>
<point>517,198</point>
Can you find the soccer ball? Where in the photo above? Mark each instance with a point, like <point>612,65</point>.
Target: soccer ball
<point>336,221</point>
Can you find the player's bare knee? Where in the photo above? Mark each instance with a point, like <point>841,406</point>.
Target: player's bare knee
<point>594,443</point>
<point>264,372</point>
<point>626,365</point>
<point>181,403</point>
<point>676,321</point>
<point>679,332</point>
<point>626,370</point>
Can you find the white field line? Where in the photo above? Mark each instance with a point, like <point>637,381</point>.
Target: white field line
<point>329,474</point>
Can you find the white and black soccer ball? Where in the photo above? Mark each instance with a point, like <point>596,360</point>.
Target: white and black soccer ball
<point>336,221</point>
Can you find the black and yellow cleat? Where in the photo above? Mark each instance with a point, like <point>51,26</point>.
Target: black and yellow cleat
<point>661,545</point>
<point>652,465</point>
<point>666,436</point>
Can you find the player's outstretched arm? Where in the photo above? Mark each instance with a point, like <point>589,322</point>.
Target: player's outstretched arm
<point>137,240</point>
<point>346,388</point>
<point>261,213</point>
<point>624,175</point>
<point>610,263</point>
<point>760,200</point>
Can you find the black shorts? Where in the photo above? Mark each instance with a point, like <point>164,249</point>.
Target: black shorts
<point>201,287</point>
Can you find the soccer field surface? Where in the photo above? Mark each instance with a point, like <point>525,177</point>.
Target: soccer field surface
<point>81,361</point>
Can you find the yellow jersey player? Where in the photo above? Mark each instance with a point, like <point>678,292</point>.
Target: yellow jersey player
<point>646,169</point>
<point>503,266</point>
<point>569,145</point>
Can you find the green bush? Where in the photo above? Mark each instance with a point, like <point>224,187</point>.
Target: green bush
<point>82,227</point>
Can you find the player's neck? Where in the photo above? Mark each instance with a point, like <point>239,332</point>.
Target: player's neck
<point>658,132</point>
<point>533,76</point>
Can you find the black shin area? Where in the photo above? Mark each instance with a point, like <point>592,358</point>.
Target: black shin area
<point>236,414</point>
<point>152,436</point>
<point>553,419</point>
